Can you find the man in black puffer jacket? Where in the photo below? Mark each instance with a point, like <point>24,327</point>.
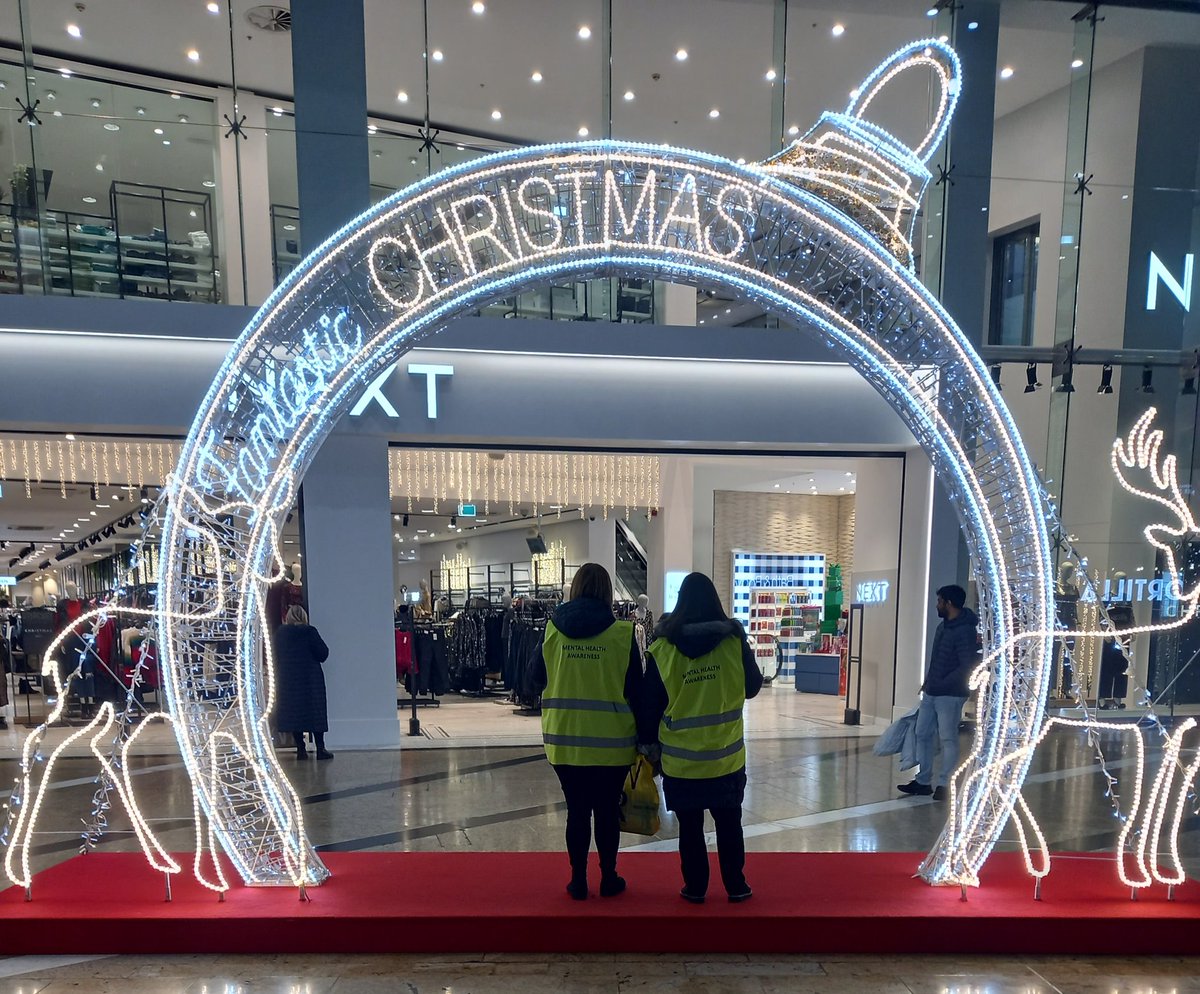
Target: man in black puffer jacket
<point>954,655</point>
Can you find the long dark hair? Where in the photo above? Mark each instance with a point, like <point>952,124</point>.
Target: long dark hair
<point>698,602</point>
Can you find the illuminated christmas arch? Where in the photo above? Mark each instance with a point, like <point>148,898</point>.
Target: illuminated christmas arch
<point>819,236</point>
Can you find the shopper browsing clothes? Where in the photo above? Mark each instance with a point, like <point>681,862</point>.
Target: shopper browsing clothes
<point>299,653</point>
<point>699,673</point>
<point>589,673</point>
<point>954,655</point>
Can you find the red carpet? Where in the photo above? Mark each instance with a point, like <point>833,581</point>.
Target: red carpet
<point>485,902</point>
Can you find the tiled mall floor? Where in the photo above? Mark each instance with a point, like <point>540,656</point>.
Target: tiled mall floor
<point>814,785</point>
<point>597,974</point>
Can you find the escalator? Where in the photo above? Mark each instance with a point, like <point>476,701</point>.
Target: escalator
<point>631,562</point>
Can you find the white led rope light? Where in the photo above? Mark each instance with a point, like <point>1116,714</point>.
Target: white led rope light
<point>399,273</point>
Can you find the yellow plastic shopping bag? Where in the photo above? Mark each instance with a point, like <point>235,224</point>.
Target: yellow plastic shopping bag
<point>639,799</point>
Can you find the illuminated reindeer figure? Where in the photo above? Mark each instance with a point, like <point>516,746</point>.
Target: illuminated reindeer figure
<point>1153,815</point>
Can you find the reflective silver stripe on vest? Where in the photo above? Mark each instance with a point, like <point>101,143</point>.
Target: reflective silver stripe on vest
<point>704,755</point>
<point>703,720</point>
<point>590,741</point>
<point>583,704</point>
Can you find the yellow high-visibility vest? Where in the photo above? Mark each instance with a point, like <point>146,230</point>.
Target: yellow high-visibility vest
<point>586,720</point>
<point>701,731</point>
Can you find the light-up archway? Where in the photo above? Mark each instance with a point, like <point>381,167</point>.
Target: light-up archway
<point>394,276</point>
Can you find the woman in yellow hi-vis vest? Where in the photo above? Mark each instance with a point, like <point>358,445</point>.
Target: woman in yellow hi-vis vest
<point>699,673</point>
<point>590,673</point>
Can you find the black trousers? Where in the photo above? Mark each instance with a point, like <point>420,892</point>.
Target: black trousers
<point>593,793</point>
<point>693,852</point>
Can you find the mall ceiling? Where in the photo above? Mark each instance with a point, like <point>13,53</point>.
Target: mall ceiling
<point>489,61</point>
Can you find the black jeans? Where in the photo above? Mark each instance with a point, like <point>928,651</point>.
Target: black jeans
<point>693,852</point>
<point>592,793</point>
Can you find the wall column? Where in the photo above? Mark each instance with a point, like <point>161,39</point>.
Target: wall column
<point>348,581</point>
<point>345,521</point>
<point>602,542</point>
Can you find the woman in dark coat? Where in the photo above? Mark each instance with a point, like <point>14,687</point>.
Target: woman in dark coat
<point>300,708</point>
<point>699,673</point>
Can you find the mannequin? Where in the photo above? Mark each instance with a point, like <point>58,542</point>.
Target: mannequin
<point>566,592</point>
<point>424,607</point>
<point>643,625</point>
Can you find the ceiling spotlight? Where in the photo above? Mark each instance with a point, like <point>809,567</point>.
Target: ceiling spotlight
<point>681,55</point>
<point>1066,386</point>
<point>95,102</point>
<point>402,96</point>
<point>629,95</point>
<point>1147,380</point>
<point>193,55</point>
<point>1007,72</point>
<point>770,75</point>
<point>437,55</point>
<point>110,126</point>
<point>794,130</point>
<point>972,25</point>
<point>213,8</point>
<point>99,167</point>
<point>536,76</point>
<point>453,520</point>
<point>1077,63</point>
<point>585,32</point>
<point>404,521</point>
<point>73,31</point>
<point>478,7</point>
<point>1031,379</point>
<point>838,30</point>
<point>931,12</point>
<point>995,369</point>
<point>158,131</point>
<point>714,113</point>
<point>583,132</point>
<point>183,119</point>
<point>496,115</point>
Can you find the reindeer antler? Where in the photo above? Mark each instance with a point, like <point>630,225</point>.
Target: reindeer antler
<point>1140,450</point>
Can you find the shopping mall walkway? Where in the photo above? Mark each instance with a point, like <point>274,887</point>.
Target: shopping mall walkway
<point>596,974</point>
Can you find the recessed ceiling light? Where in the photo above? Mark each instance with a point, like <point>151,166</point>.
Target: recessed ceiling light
<point>99,167</point>
<point>402,96</point>
<point>277,111</point>
<point>175,96</point>
<point>95,102</point>
<point>629,95</point>
<point>438,55</point>
<point>166,141</point>
<point>854,94</point>
<point>191,213</point>
<point>1077,63</point>
<point>776,486</point>
<point>535,76</point>
<point>681,55</point>
<point>193,55</point>
<point>73,31</point>
<point>741,160</point>
<point>371,129</point>
<point>583,132</point>
<point>64,72</point>
<point>838,30</point>
<point>110,126</point>
<point>714,113</point>
<point>972,25</point>
<point>478,7</point>
<point>289,227</point>
<point>158,131</point>
<point>794,129</point>
<point>496,115</point>
<point>58,113</point>
<point>1007,72</point>
<point>213,8</point>
<point>89,200</point>
<point>461,148</point>
<point>585,32</point>
<point>208,183</point>
<point>183,119</point>
<point>770,75</point>
<point>141,111</point>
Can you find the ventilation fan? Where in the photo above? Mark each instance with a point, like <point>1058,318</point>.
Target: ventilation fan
<point>268,17</point>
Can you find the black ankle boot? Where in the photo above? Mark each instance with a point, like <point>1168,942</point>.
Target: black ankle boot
<point>578,888</point>
<point>611,885</point>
